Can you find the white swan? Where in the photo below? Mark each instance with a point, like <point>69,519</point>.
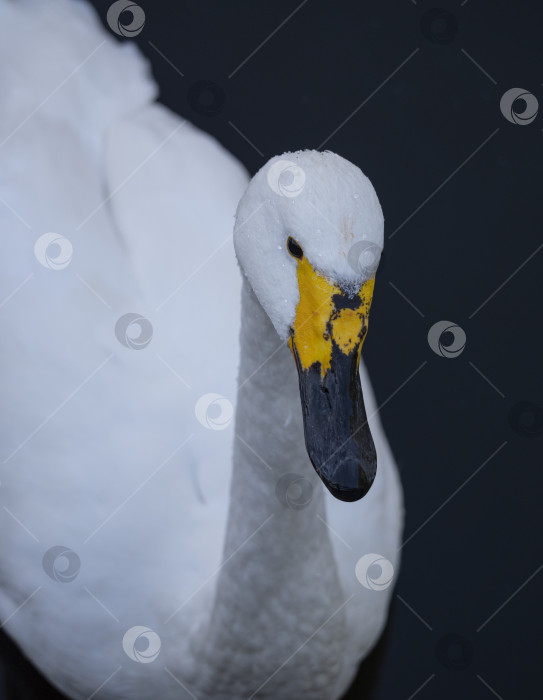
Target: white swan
<point>117,448</point>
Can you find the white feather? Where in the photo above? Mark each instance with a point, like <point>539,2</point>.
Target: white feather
<point>102,451</point>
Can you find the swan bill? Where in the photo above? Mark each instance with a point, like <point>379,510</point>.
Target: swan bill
<point>326,340</point>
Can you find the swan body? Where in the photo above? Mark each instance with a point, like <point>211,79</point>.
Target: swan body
<point>150,546</point>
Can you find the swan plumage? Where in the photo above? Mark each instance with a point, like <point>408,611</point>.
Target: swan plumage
<point>103,452</point>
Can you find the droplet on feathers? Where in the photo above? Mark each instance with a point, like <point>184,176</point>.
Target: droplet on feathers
<point>356,196</point>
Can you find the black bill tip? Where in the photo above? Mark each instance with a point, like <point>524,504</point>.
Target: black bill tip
<point>337,435</point>
<point>347,494</point>
<point>352,484</point>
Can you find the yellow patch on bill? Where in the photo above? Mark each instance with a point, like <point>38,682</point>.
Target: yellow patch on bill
<point>318,322</point>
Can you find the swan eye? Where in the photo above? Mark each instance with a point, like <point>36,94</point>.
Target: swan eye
<point>294,248</point>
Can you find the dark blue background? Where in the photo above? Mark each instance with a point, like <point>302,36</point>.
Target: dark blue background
<point>482,548</point>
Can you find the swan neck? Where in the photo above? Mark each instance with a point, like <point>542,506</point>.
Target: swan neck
<point>276,536</point>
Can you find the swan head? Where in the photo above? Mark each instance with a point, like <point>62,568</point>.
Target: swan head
<point>308,237</point>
